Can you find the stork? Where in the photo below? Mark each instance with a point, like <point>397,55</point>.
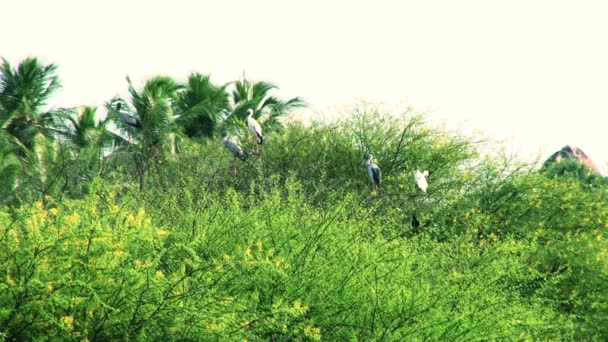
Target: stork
<point>373,171</point>
<point>126,118</point>
<point>235,148</point>
<point>415,223</point>
<point>255,129</point>
<point>420,178</point>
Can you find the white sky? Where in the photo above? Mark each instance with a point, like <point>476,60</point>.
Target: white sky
<point>532,72</point>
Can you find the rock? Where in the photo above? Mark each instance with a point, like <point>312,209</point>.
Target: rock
<point>572,152</point>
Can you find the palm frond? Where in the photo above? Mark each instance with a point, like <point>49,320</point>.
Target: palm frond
<point>27,88</point>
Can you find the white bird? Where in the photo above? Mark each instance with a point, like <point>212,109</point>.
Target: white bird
<point>126,118</point>
<point>373,171</point>
<point>233,146</point>
<point>254,127</point>
<point>420,178</point>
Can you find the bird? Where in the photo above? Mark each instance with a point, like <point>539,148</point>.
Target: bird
<point>415,223</point>
<point>420,178</point>
<point>126,118</point>
<point>233,146</point>
<point>373,171</point>
<point>254,128</point>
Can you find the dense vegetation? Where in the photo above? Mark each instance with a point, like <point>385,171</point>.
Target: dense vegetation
<point>112,232</point>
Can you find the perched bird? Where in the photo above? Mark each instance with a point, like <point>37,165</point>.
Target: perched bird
<point>254,128</point>
<point>415,223</point>
<point>233,146</point>
<point>373,171</point>
<point>126,118</point>
<point>420,178</point>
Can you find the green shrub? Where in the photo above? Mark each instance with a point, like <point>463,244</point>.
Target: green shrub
<point>296,247</point>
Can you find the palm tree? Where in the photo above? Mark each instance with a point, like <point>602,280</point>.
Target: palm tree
<point>23,93</point>
<point>83,132</point>
<point>201,106</point>
<point>26,128</point>
<point>148,124</point>
<point>268,110</point>
<point>81,128</point>
<point>9,167</point>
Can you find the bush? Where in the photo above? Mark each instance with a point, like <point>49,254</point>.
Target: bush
<point>296,247</point>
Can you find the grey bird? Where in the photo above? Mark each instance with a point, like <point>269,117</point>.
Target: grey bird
<point>126,118</point>
<point>233,146</point>
<point>373,171</point>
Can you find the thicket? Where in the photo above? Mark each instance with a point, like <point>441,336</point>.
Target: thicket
<point>296,247</point>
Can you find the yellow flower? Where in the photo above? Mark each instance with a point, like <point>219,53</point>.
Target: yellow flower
<point>248,252</point>
<point>54,211</point>
<point>69,320</point>
<point>259,245</point>
<point>17,239</point>
<point>38,205</point>
<point>74,218</point>
<point>141,212</point>
<point>314,332</point>
<point>299,307</point>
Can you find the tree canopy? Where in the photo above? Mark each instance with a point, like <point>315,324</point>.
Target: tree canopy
<point>132,225</point>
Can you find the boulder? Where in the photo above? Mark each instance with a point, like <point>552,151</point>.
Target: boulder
<point>572,152</point>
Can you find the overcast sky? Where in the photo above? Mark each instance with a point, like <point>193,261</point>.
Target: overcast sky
<point>532,72</point>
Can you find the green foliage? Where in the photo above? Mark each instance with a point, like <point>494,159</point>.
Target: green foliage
<point>91,268</point>
<point>268,109</point>
<point>295,245</point>
<point>575,170</point>
<point>23,93</point>
<point>202,105</point>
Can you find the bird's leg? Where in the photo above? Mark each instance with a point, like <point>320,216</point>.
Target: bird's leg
<point>255,147</point>
<point>234,172</point>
